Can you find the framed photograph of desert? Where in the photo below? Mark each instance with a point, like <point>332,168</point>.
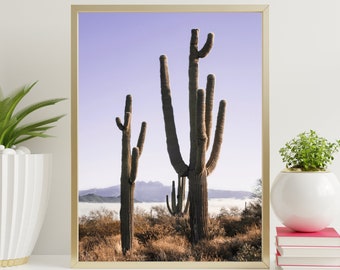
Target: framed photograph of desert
<point>170,136</point>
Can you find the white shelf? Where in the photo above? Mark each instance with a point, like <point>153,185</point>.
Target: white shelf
<point>46,262</point>
<point>53,262</point>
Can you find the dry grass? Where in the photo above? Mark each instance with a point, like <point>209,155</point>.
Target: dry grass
<point>162,237</point>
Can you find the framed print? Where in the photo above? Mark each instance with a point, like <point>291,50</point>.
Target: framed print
<point>170,136</point>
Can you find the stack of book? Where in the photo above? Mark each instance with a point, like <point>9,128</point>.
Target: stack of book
<point>302,251</point>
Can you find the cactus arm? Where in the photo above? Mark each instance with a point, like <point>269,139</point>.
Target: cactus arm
<point>173,198</point>
<point>181,185</point>
<point>127,114</point>
<point>137,152</point>
<point>207,46</point>
<point>209,103</point>
<point>134,164</point>
<point>212,162</point>
<point>170,129</point>
<point>201,133</point>
<point>187,205</point>
<point>182,180</point>
<point>127,120</point>
<point>173,209</point>
<point>180,192</point>
<point>119,123</point>
<point>168,206</point>
<point>179,195</point>
<point>141,138</point>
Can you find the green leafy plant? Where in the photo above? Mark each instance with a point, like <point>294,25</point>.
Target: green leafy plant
<point>11,132</point>
<point>309,152</point>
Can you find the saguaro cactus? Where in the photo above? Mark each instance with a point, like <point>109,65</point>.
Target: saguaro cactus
<point>128,174</point>
<point>200,111</point>
<point>176,208</point>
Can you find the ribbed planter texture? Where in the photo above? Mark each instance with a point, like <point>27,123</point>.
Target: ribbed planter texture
<point>24,191</point>
<point>306,201</point>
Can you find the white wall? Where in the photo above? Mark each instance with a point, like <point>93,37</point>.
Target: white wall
<point>304,81</point>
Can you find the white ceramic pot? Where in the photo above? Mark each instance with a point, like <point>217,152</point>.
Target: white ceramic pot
<point>24,191</point>
<point>306,201</point>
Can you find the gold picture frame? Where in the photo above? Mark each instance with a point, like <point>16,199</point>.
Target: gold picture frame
<point>78,107</point>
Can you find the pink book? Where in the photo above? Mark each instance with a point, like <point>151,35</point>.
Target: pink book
<point>326,237</point>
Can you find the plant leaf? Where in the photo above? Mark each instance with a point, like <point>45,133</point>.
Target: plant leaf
<point>33,128</point>
<point>10,131</point>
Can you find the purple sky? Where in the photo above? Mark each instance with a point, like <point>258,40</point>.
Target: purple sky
<point>119,55</point>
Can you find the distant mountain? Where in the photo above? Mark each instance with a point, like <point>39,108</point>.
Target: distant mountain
<point>98,199</point>
<point>113,191</point>
<point>152,191</point>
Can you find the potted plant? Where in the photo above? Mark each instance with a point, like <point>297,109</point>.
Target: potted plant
<point>24,177</point>
<point>306,196</point>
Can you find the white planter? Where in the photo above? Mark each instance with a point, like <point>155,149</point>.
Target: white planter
<point>24,191</point>
<point>306,201</point>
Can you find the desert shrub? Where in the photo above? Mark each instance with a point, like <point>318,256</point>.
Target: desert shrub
<point>147,229</point>
<point>227,249</point>
<point>86,246</point>
<point>214,228</point>
<point>159,224</point>
<point>232,226</point>
<point>169,248</point>
<point>182,227</point>
<point>99,224</point>
<point>149,233</point>
<point>252,214</point>
<point>108,250</point>
<point>248,217</point>
<point>159,213</point>
<point>248,253</point>
<point>215,249</point>
<point>233,211</point>
<point>247,247</point>
<point>96,233</point>
<point>179,224</point>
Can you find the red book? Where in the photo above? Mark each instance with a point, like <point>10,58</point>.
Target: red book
<point>326,237</point>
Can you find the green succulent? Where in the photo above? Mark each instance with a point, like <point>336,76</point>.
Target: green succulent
<point>12,131</point>
<point>309,152</point>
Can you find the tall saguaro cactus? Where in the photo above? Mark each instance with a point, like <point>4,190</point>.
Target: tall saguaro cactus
<point>200,111</point>
<point>128,174</point>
